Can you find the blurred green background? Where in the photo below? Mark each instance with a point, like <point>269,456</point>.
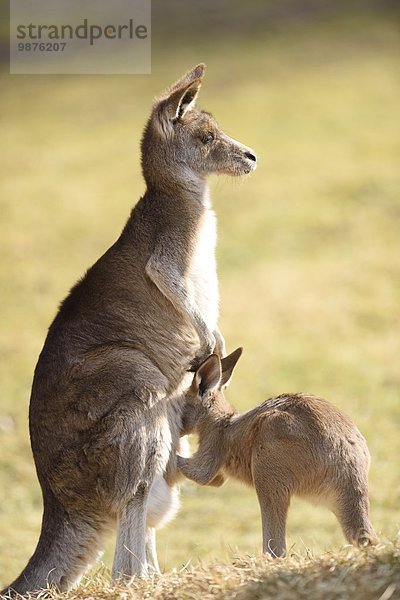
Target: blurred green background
<point>309,246</point>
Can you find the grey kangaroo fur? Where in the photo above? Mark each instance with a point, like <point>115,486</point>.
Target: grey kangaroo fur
<point>164,501</point>
<point>292,444</point>
<point>120,346</point>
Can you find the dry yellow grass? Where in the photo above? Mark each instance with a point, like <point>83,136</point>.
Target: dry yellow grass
<point>350,574</point>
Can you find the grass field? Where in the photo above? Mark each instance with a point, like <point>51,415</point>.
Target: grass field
<point>367,575</point>
<point>309,251</point>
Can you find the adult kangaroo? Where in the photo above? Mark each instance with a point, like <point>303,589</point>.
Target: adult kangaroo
<point>119,348</point>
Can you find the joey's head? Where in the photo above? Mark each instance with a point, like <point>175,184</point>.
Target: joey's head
<point>182,143</point>
<point>205,398</point>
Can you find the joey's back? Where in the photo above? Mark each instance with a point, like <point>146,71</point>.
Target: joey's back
<point>305,429</point>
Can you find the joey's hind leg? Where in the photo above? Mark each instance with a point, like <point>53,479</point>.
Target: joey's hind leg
<point>274,500</point>
<point>273,516</point>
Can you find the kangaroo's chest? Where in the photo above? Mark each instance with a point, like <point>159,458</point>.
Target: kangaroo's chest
<point>203,269</point>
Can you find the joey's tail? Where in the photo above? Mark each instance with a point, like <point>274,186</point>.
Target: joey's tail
<point>353,516</point>
<point>67,546</point>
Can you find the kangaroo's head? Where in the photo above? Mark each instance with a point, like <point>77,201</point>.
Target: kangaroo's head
<point>205,397</point>
<point>184,143</point>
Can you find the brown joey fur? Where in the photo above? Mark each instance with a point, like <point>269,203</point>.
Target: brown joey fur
<point>119,348</point>
<point>294,444</point>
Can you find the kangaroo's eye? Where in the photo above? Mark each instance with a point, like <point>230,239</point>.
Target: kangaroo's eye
<point>207,137</point>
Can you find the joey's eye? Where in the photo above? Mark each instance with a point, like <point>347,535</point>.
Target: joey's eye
<point>207,137</point>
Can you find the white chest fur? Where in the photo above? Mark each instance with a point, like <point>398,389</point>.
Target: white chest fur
<point>203,270</point>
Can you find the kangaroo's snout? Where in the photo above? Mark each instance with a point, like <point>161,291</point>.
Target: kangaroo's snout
<point>251,157</point>
<point>245,162</point>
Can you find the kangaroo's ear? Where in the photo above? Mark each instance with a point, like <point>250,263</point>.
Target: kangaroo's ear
<point>208,375</point>
<point>173,107</point>
<point>195,74</point>
<point>228,364</point>
<point>179,98</point>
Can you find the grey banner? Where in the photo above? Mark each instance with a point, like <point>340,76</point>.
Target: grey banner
<point>80,36</point>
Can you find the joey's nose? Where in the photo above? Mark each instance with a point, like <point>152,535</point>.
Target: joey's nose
<point>250,156</point>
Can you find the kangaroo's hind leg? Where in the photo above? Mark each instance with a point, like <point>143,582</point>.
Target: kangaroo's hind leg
<point>130,550</point>
<point>274,508</point>
<point>135,449</point>
<point>274,500</point>
<point>151,550</point>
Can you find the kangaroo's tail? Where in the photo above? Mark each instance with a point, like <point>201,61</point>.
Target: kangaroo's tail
<point>67,546</point>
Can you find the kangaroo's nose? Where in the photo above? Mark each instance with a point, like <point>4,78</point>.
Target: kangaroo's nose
<point>250,156</point>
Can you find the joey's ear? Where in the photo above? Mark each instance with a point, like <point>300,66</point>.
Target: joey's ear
<point>228,364</point>
<point>208,375</point>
